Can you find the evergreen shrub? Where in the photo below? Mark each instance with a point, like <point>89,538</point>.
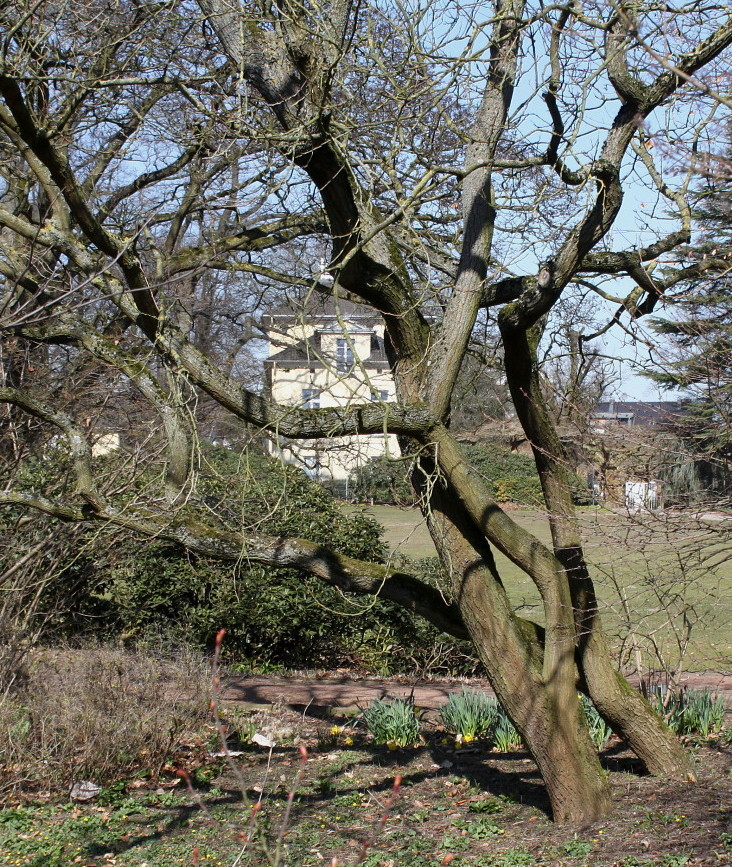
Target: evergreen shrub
<point>510,478</point>
<point>134,589</point>
<point>381,480</point>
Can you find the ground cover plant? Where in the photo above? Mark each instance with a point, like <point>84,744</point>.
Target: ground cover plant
<point>690,711</point>
<point>467,804</point>
<point>600,732</point>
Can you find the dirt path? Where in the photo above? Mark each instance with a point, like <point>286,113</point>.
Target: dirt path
<point>349,692</point>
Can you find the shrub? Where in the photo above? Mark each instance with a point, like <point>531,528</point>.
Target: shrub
<point>131,590</point>
<point>469,714</point>
<point>36,585</point>
<point>124,588</point>
<point>392,722</point>
<point>98,714</point>
<point>512,477</point>
<point>381,480</point>
<point>526,492</point>
<point>428,652</point>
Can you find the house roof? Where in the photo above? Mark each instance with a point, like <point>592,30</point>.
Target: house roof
<point>320,307</point>
<point>641,412</point>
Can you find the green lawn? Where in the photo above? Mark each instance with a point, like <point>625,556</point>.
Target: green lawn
<point>665,581</point>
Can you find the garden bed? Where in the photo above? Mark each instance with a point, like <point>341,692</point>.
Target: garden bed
<point>456,804</point>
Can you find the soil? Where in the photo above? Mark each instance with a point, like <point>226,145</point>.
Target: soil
<point>472,806</point>
<point>457,804</point>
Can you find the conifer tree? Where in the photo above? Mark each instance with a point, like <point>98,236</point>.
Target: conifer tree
<point>699,331</point>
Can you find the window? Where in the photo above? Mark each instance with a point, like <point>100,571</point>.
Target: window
<point>344,354</point>
<point>311,465</point>
<point>310,398</point>
<point>381,396</point>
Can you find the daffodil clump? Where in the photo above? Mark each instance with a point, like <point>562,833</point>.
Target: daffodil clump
<point>469,715</point>
<point>392,722</point>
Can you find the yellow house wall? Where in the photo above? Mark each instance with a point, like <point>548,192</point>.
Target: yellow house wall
<point>335,458</point>
<point>288,334</point>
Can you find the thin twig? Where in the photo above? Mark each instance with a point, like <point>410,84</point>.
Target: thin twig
<point>379,827</point>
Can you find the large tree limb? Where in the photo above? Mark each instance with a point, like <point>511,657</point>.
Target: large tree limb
<point>373,417</point>
<point>345,573</point>
<point>247,239</point>
<point>147,179</point>
<point>273,61</point>
<point>478,209</point>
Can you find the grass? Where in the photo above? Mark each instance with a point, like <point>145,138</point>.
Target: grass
<point>665,582</point>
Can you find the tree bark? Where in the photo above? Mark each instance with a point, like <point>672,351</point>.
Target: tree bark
<point>622,706</point>
<point>546,711</point>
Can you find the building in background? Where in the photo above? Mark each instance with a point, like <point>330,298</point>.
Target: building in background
<point>323,352</point>
<point>636,450</point>
<point>634,413</point>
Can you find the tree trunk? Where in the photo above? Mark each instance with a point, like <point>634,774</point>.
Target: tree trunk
<point>622,707</point>
<point>546,712</point>
<point>577,786</point>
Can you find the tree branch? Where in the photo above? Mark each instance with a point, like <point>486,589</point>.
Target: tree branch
<point>63,176</point>
<point>346,573</point>
<point>75,437</point>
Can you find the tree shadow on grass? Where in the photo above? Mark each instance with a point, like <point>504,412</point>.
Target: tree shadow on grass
<point>511,776</point>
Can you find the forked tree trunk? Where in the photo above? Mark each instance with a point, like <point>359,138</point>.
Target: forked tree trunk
<point>622,706</point>
<point>546,713</point>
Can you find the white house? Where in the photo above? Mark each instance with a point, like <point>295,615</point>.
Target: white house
<point>326,351</point>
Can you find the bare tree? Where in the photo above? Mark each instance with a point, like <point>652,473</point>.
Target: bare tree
<point>453,159</point>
